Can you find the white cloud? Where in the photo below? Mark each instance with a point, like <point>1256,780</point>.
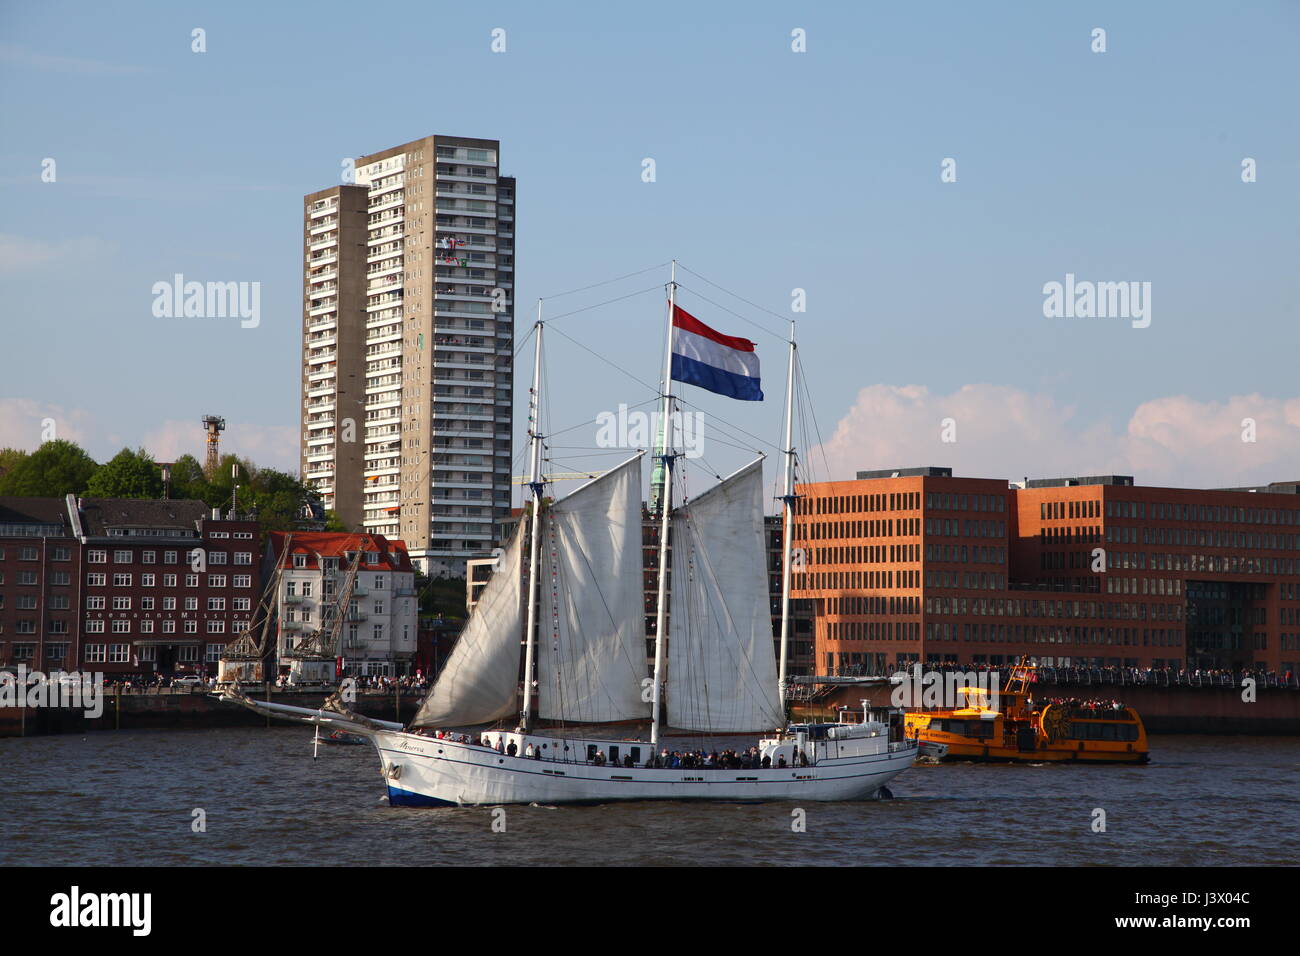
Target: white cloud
<point>26,423</point>
<point>268,446</point>
<point>20,254</point>
<point>1005,432</point>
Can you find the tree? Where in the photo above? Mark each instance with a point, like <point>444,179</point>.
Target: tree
<point>128,474</point>
<point>10,458</point>
<point>56,469</point>
<point>334,523</point>
<point>188,480</point>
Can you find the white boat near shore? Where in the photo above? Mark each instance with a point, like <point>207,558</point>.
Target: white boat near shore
<point>577,608</point>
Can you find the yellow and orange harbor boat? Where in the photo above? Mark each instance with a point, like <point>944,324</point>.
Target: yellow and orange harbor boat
<point>1027,729</point>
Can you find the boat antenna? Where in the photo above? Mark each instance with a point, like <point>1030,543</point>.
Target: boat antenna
<point>665,514</point>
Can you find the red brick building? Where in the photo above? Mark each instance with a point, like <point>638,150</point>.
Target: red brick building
<point>40,585</point>
<point>126,586</point>
<point>918,565</point>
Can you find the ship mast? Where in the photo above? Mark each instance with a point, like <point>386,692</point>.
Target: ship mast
<point>787,531</point>
<point>665,513</point>
<point>535,485</point>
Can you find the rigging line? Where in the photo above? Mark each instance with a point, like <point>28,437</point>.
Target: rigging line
<point>614,365</point>
<point>588,308</point>
<point>607,281</point>
<point>755,305</point>
<point>732,425</point>
<point>531,332</point>
<point>719,305</point>
<point>821,445</point>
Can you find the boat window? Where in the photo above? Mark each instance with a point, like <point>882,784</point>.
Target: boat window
<point>636,754</point>
<point>591,751</point>
<point>613,755</point>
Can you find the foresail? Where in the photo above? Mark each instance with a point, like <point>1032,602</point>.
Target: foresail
<point>481,678</point>
<point>721,662</point>
<point>591,632</point>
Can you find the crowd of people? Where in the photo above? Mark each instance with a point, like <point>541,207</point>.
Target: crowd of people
<point>1084,674</point>
<point>1095,707</point>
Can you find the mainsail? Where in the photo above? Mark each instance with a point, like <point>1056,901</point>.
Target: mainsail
<point>721,663</point>
<point>591,632</point>
<point>480,680</point>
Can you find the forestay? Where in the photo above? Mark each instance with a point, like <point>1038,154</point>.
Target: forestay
<point>591,632</point>
<point>721,662</point>
<point>481,678</point>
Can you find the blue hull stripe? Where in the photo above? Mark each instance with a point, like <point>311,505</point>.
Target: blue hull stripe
<point>397,797</point>
<point>694,372</point>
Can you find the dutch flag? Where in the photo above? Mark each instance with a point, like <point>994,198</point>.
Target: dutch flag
<point>721,363</point>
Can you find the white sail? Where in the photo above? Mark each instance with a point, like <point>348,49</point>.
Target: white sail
<point>721,663</point>
<point>481,678</point>
<point>591,631</point>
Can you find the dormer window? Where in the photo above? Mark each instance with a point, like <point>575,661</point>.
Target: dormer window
<point>300,560</point>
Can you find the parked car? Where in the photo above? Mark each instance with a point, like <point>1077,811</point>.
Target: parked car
<point>189,680</point>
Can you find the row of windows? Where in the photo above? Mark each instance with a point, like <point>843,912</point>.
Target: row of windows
<point>856,580</point>
<point>854,504</point>
<point>168,626</point>
<point>123,603</point>
<point>1087,610</point>
<point>29,553</point>
<point>1219,514</point>
<point>873,630</point>
<point>868,554</point>
<point>1045,634</point>
<point>98,579</point>
<point>1050,510</point>
<point>97,556</point>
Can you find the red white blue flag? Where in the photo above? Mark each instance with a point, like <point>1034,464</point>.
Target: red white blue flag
<point>702,356</point>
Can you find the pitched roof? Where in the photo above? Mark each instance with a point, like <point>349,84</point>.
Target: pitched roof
<point>100,514</point>
<point>15,509</point>
<point>332,544</point>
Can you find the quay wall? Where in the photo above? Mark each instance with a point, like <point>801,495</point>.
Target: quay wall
<point>179,707</point>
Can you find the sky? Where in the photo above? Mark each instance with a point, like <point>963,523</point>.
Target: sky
<point>924,340</point>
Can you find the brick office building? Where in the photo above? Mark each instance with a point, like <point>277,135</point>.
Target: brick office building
<point>148,606</point>
<point>114,585</point>
<point>40,585</point>
<point>919,565</point>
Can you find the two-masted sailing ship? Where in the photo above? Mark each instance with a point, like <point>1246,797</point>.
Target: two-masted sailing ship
<point>568,597</point>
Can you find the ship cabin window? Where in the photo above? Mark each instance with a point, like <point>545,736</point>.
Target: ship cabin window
<point>636,754</point>
<point>613,755</point>
<point>967,728</point>
<point>591,752</point>
<point>1097,730</point>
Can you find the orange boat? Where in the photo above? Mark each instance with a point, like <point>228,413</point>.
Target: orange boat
<point>1028,730</point>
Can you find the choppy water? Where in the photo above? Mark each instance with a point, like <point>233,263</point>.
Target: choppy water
<point>128,798</point>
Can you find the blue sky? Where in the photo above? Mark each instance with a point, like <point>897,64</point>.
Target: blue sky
<point>775,170</point>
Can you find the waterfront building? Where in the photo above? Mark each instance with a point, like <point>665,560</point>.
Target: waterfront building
<point>128,586</point>
<point>916,564</point>
<point>379,632</point>
<point>40,585</point>
<point>407,349</point>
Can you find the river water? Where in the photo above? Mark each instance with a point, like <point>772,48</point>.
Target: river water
<point>129,798</point>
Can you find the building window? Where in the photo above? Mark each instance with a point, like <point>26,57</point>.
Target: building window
<point>94,627</point>
<point>148,557</point>
<point>119,653</point>
<point>96,557</point>
<point>121,557</point>
<point>216,627</point>
<point>191,627</point>
<point>121,626</point>
<point>95,653</point>
<point>189,654</point>
<point>146,627</point>
<point>121,580</point>
<point>146,580</point>
<point>121,603</point>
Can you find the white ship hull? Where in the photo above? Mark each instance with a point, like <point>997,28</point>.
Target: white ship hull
<point>427,771</point>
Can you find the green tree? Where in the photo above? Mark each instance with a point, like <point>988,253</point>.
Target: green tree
<point>128,474</point>
<point>334,523</point>
<point>55,469</point>
<point>10,458</point>
<point>188,480</point>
